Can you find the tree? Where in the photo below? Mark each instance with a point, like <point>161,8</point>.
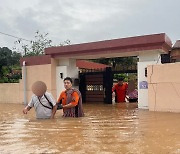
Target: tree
<point>36,47</point>
<point>10,70</point>
<point>124,62</point>
<point>5,58</point>
<point>9,61</point>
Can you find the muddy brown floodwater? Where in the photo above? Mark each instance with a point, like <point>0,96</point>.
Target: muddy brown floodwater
<point>105,129</point>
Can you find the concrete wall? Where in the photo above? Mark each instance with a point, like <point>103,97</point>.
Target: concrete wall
<point>145,59</point>
<point>164,87</point>
<point>53,89</point>
<point>11,93</point>
<point>45,73</point>
<point>48,73</point>
<point>14,92</point>
<point>37,73</point>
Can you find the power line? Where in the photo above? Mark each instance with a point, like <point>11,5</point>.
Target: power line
<point>15,37</point>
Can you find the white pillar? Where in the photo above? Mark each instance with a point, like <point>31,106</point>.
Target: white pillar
<point>66,68</point>
<point>24,83</point>
<point>145,58</point>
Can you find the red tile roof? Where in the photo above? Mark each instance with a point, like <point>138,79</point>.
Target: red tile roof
<point>90,65</point>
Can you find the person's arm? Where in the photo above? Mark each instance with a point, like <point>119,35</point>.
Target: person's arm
<point>126,92</point>
<point>53,111</point>
<point>114,88</point>
<point>26,109</point>
<point>74,101</point>
<point>29,106</point>
<point>113,91</point>
<point>70,105</point>
<point>59,102</point>
<point>126,88</point>
<point>60,98</point>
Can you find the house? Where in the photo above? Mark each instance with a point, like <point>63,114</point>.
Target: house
<point>153,89</point>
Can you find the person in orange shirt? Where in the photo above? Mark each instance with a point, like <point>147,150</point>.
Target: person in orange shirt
<point>71,100</point>
<point>120,90</point>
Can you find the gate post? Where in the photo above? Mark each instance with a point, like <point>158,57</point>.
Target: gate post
<point>108,82</point>
<point>82,86</point>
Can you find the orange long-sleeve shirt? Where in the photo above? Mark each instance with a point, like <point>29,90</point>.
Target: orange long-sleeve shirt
<point>63,97</point>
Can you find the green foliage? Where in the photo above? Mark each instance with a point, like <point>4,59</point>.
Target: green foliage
<point>132,76</point>
<point>9,62</point>
<point>127,77</point>
<point>9,75</point>
<point>123,62</point>
<point>123,75</point>
<point>5,56</point>
<point>10,70</point>
<point>106,61</point>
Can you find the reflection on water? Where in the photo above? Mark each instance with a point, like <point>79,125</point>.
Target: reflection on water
<point>106,129</point>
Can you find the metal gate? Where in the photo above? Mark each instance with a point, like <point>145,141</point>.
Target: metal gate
<point>96,86</point>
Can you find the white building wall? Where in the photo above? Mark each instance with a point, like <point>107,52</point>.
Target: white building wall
<point>59,80</point>
<point>72,70</point>
<point>68,69</point>
<point>145,59</point>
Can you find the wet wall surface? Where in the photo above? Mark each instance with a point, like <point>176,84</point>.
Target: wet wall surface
<point>106,129</point>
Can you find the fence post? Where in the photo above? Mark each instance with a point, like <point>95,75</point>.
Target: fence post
<point>108,82</point>
<point>82,86</point>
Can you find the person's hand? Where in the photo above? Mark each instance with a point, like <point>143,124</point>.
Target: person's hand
<point>59,106</point>
<point>25,110</point>
<point>52,117</point>
<point>113,94</point>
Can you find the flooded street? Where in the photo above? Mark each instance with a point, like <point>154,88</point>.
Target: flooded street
<point>105,129</point>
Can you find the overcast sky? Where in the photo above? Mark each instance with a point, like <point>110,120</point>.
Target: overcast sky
<point>87,20</point>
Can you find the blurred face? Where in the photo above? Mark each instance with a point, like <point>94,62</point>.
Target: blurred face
<point>120,83</point>
<point>67,84</point>
<point>39,88</point>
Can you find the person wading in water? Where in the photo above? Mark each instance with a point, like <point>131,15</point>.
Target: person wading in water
<point>42,101</point>
<point>71,100</point>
